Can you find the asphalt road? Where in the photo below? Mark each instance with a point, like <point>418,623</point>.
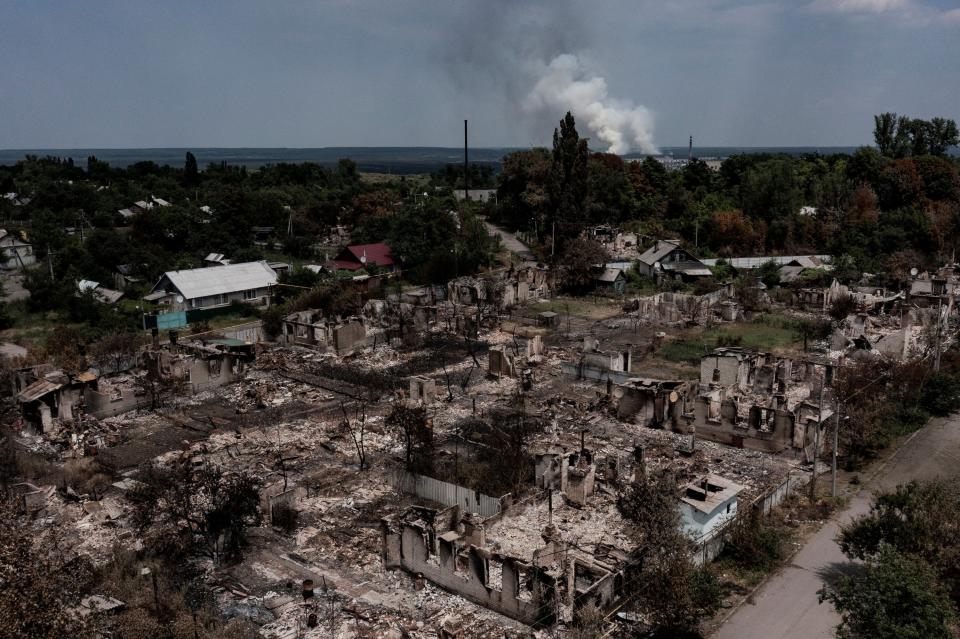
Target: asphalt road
<point>786,607</point>
<point>510,241</point>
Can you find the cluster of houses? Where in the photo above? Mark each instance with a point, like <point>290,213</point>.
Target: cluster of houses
<point>142,206</point>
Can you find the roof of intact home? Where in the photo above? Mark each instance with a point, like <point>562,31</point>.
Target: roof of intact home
<point>659,251</point>
<point>806,261</point>
<point>215,280</point>
<point>719,490</point>
<point>378,254</point>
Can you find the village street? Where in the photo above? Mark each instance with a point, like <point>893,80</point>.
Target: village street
<point>786,607</point>
<point>510,241</point>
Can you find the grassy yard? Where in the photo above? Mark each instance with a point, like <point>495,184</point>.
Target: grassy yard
<point>765,333</point>
<point>588,307</point>
<point>31,328</point>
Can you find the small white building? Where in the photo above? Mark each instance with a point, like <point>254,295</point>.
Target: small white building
<point>707,503</point>
<point>15,253</point>
<point>213,286</point>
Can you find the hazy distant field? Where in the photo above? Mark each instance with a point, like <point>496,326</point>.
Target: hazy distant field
<point>390,160</point>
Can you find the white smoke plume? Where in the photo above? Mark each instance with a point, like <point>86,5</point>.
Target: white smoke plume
<point>565,85</point>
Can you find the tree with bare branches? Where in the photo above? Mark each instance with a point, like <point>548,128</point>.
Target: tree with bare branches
<point>357,429</point>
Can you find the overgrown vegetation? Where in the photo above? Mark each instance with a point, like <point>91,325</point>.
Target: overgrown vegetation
<point>882,400</point>
<point>765,332</point>
<point>910,585</point>
<point>669,590</point>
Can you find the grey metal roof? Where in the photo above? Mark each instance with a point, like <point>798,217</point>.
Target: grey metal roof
<point>216,280</point>
<point>687,267</point>
<point>658,251</point>
<point>806,261</point>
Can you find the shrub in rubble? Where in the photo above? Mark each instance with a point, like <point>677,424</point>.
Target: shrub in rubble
<point>285,517</point>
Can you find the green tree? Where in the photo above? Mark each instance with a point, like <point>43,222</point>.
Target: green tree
<point>567,188</point>
<point>917,519</point>
<point>769,273</point>
<point>885,132</point>
<point>943,134</point>
<point>672,592</point>
<point>191,174</point>
<point>895,597</point>
<point>581,258</point>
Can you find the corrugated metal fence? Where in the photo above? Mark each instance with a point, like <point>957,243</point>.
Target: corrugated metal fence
<point>447,494</point>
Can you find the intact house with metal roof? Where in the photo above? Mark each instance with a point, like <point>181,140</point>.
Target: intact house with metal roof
<point>667,259</point>
<point>213,286</point>
<point>609,279</point>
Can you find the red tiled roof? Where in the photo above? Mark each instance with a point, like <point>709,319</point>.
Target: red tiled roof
<point>352,257</point>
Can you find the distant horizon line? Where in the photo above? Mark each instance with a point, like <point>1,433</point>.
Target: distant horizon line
<point>487,148</point>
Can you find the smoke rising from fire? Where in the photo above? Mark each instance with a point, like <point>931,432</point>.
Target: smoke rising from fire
<point>565,85</point>
<point>530,59</point>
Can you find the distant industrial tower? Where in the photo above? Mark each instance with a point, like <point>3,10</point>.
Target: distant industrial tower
<point>690,150</point>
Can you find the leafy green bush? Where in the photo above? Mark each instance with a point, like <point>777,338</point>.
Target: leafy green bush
<point>941,393</point>
<point>754,543</point>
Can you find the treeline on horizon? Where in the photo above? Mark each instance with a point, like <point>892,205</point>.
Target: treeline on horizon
<point>883,209</point>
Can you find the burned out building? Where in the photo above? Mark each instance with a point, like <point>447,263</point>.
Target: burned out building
<point>651,402</point>
<point>706,504</point>
<point>501,289</point>
<point>312,329</point>
<point>541,583</point>
<point>750,399</point>
<point>47,396</point>
<point>600,365</point>
<point>507,360</point>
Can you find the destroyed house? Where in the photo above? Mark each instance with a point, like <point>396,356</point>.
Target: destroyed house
<point>312,329</point>
<point>540,587</point>
<point>759,401</point>
<point>926,292</point>
<point>600,365</point>
<point>360,256</point>
<point>508,360</point>
<point>214,286</point>
<point>15,252</point>
<point>666,259</point>
<point>651,402</point>
<point>46,397</point>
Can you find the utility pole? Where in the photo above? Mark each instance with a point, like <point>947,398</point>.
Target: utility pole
<point>553,239</point>
<point>833,460</point>
<point>466,166</point>
<point>816,442</point>
<point>936,356</point>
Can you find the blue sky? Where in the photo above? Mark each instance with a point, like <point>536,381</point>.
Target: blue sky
<point>405,72</point>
